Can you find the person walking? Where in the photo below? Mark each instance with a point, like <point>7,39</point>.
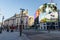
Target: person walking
<point>0,29</point>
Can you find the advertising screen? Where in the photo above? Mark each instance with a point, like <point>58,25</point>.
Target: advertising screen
<point>48,12</point>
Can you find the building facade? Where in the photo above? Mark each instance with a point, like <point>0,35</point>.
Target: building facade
<point>16,19</point>
<point>31,20</point>
<point>43,26</point>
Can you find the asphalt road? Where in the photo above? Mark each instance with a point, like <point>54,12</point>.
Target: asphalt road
<point>42,35</point>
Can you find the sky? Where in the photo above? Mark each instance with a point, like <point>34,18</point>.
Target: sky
<point>9,7</point>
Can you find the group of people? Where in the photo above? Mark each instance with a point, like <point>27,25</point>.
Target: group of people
<point>11,28</point>
<point>7,28</point>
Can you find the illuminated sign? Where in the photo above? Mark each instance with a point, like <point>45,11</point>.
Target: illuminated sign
<point>48,12</point>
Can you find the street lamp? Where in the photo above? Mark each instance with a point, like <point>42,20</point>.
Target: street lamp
<point>21,21</point>
<point>58,19</point>
<point>2,20</point>
<point>1,25</point>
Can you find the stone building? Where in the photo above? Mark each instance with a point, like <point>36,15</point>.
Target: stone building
<point>16,19</point>
<point>30,20</point>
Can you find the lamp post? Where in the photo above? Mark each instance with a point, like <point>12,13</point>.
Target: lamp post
<point>2,20</point>
<point>1,24</point>
<point>21,22</point>
<point>58,20</point>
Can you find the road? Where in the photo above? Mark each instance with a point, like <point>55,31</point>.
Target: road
<point>30,35</point>
<point>42,35</point>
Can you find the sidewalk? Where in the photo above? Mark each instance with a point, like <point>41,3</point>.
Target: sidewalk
<point>31,33</point>
<point>12,36</point>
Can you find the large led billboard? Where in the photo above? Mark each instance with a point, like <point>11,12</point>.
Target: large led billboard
<point>48,12</point>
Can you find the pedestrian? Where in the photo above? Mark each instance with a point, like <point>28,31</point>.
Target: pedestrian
<point>49,29</point>
<point>0,29</point>
<point>11,28</point>
<point>7,28</point>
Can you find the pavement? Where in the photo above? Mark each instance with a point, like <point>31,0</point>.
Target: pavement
<point>31,35</point>
<point>12,36</point>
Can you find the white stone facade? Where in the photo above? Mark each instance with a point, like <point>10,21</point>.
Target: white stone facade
<point>30,20</point>
<point>16,19</point>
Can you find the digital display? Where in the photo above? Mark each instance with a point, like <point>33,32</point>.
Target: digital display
<point>48,12</point>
